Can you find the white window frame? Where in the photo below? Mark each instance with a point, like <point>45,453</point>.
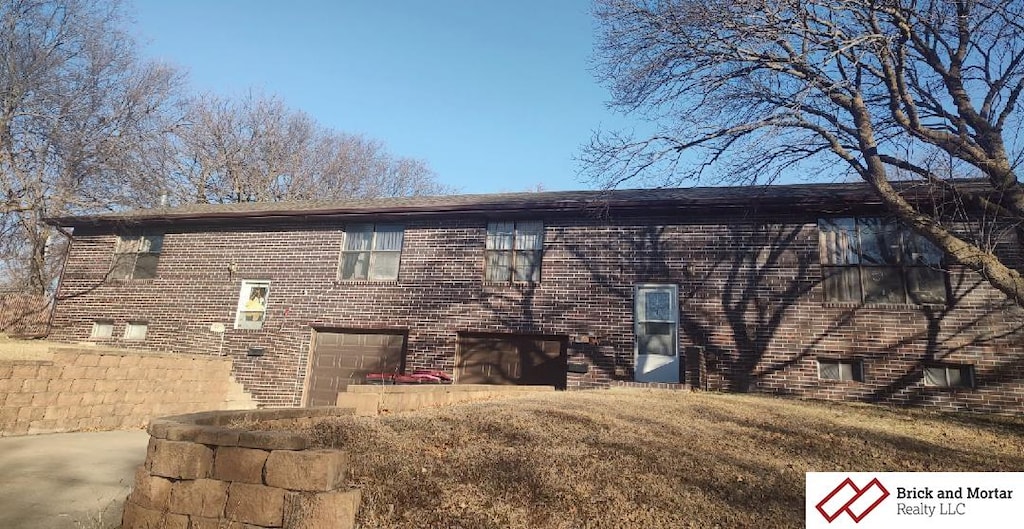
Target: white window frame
<point>102,330</point>
<point>640,318</point>
<point>136,326</point>
<point>248,301</point>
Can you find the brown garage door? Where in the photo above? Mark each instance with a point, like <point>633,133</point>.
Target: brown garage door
<point>340,359</point>
<point>511,359</point>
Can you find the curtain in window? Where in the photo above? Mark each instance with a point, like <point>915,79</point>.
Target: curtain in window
<point>514,251</point>
<point>498,266</point>
<point>876,260</point>
<point>500,235</point>
<point>388,238</point>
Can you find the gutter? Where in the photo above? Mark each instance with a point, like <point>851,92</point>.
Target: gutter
<point>642,207</point>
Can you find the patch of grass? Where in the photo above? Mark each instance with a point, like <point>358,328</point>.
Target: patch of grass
<point>611,459</point>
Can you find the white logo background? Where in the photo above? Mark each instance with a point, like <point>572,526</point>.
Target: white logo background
<point>912,512</point>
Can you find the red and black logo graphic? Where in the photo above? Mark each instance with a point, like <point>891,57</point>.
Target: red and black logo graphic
<point>853,500</point>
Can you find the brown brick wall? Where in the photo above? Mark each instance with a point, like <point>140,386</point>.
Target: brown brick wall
<point>23,314</point>
<point>749,296</point>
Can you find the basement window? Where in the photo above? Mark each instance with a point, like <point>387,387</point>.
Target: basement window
<point>842,370</point>
<point>252,305</point>
<point>949,376</point>
<point>102,330</point>
<point>136,330</point>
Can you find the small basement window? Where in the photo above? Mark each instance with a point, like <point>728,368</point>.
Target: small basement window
<point>252,305</point>
<point>949,376</point>
<point>102,329</point>
<point>136,330</point>
<point>844,370</point>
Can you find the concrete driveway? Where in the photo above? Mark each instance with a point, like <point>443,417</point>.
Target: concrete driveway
<point>68,481</point>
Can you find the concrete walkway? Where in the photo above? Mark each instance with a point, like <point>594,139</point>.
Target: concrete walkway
<point>68,481</point>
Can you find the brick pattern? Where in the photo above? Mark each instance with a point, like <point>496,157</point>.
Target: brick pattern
<point>199,473</point>
<point>750,300</point>
<point>23,315</point>
<point>81,390</point>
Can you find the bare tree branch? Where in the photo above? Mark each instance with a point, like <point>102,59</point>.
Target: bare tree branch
<point>889,87</point>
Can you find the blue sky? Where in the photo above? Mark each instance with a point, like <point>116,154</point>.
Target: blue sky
<point>495,96</point>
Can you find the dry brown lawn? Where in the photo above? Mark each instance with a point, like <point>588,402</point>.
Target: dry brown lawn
<point>642,458</point>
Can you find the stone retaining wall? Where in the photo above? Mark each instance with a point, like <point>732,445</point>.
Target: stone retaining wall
<point>82,389</point>
<point>368,400</point>
<point>211,470</point>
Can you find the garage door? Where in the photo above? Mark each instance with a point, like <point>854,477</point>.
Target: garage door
<point>340,359</point>
<point>511,359</point>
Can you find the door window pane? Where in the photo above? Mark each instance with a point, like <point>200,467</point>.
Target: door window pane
<point>656,339</point>
<point>657,306</point>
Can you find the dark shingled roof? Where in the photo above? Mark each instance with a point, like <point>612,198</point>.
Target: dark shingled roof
<point>794,197</point>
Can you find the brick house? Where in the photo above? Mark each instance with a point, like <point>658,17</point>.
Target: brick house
<point>804,290</point>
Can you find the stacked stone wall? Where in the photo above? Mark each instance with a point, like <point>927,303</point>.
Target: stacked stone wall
<point>216,470</point>
<point>83,389</point>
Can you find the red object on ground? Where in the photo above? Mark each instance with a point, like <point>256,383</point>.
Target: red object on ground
<point>417,377</point>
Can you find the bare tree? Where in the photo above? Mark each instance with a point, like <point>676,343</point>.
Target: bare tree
<point>883,90</point>
<point>76,109</point>
<point>255,148</point>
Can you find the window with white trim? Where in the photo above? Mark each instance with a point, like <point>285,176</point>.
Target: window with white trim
<point>136,256</point>
<point>949,376</point>
<point>843,370</point>
<point>875,260</point>
<point>371,252</point>
<point>136,330</point>
<point>513,251</point>
<point>102,329</point>
<point>252,304</point>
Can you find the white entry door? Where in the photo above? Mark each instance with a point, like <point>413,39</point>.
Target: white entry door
<point>656,327</point>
